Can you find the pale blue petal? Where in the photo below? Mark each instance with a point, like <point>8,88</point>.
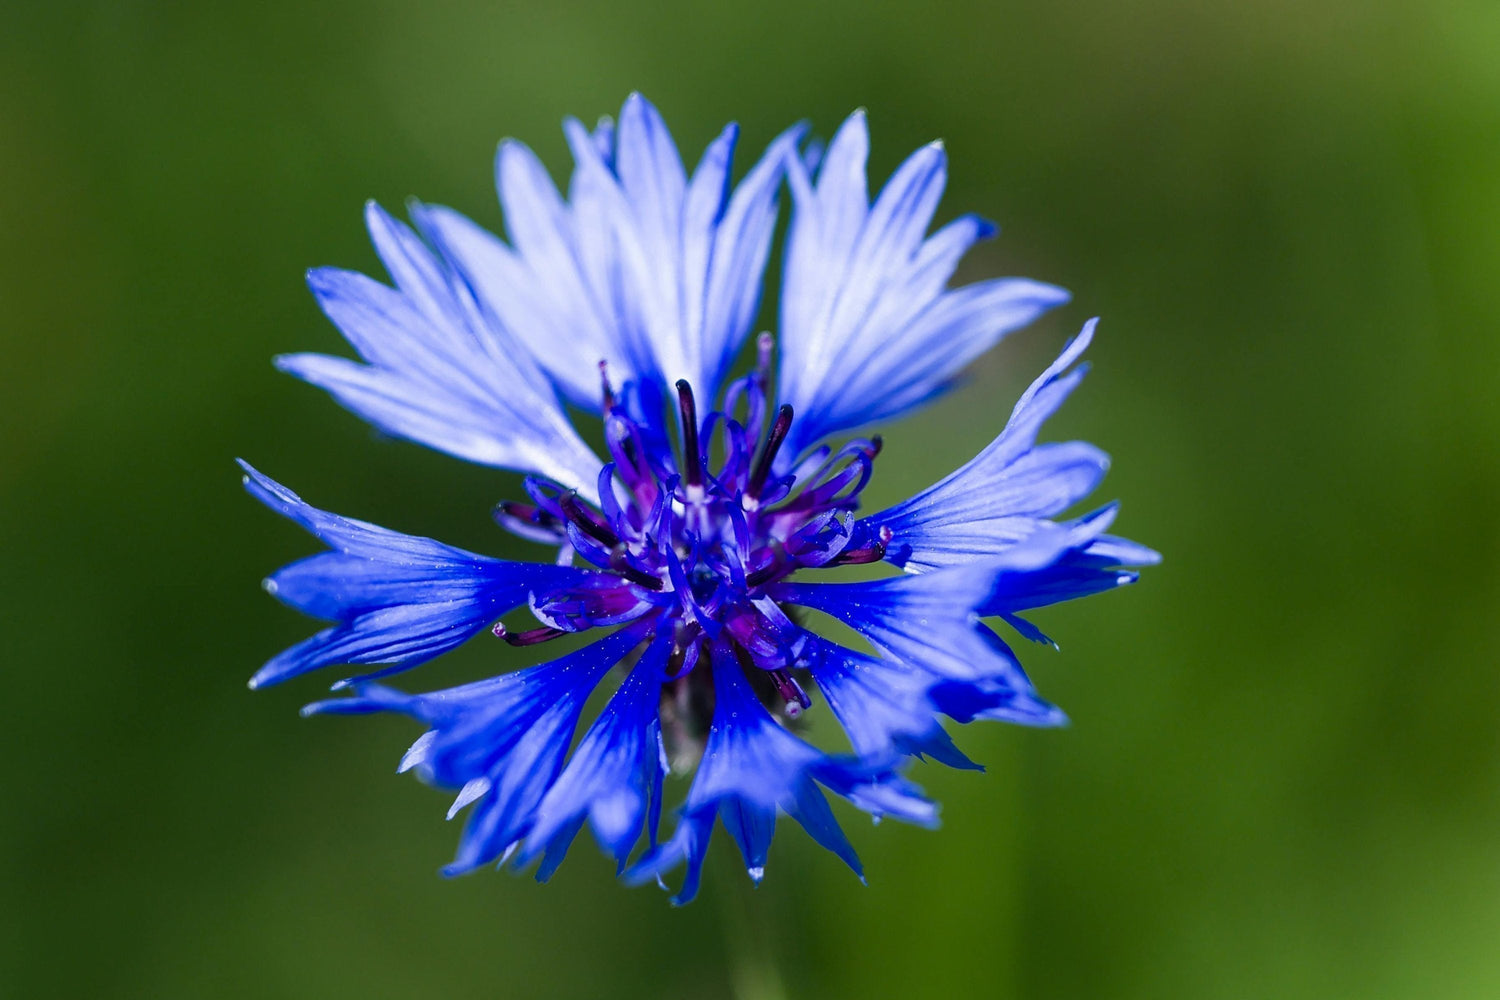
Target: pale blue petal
<point>537,289</point>
<point>437,370</point>
<point>741,246</point>
<point>868,330</point>
<point>679,259</point>
<point>656,273</point>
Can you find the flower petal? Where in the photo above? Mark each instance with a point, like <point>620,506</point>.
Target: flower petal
<point>882,706</point>
<point>752,769</point>
<point>438,371</point>
<point>1092,569</point>
<point>502,740</point>
<point>613,779</point>
<point>656,273</point>
<point>398,599</point>
<point>1007,495</point>
<point>682,258</point>
<point>995,701</point>
<point>868,330</point>
<point>541,291</point>
<point>931,621</point>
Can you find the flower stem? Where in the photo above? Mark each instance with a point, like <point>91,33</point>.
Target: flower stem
<point>749,927</point>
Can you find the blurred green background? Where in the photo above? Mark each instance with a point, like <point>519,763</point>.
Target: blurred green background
<point>1283,773</point>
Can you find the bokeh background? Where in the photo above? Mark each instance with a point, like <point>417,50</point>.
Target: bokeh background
<point>1283,773</point>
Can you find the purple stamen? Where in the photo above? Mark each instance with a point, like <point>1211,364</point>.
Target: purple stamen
<point>695,545</point>
<point>873,553</point>
<point>528,638</point>
<point>779,565</point>
<point>544,495</point>
<point>623,439</point>
<point>774,439</point>
<point>693,471</point>
<point>734,450</point>
<point>791,693</point>
<point>587,521</point>
<point>752,390</point>
<point>619,561</point>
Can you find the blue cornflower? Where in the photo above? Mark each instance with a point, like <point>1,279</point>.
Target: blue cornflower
<point>690,548</point>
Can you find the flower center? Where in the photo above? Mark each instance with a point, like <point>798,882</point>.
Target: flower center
<point>696,532</point>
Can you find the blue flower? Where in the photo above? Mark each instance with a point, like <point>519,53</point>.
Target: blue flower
<point>691,544</point>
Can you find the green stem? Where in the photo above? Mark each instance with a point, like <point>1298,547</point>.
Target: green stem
<point>750,927</point>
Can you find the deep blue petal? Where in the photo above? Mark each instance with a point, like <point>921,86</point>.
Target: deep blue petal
<point>688,844</point>
<point>929,621</point>
<point>1004,499</point>
<point>810,809</point>
<point>995,700</point>
<point>882,706</point>
<point>556,851</point>
<point>1092,569</point>
<point>751,826</point>
<point>613,777</point>
<point>397,598</point>
<point>752,768</point>
<point>884,794</point>
<point>748,755</point>
<point>518,782</point>
<point>501,740</point>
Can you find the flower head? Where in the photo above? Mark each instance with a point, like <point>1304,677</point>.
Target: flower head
<point>689,549</point>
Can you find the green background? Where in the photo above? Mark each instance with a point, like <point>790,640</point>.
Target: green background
<point>1283,773</point>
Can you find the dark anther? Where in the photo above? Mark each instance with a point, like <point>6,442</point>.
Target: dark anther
<point>771,570</point>
<point>528,638</point>
<point>588,522</point>
<point>607,389</point>
<point>621,565</point>
<point>791,693</point>
<point>876,443</point>
<point>768,453</point>
<point>873,553</point>
<point>693,473</point>
<point>763,575</point>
